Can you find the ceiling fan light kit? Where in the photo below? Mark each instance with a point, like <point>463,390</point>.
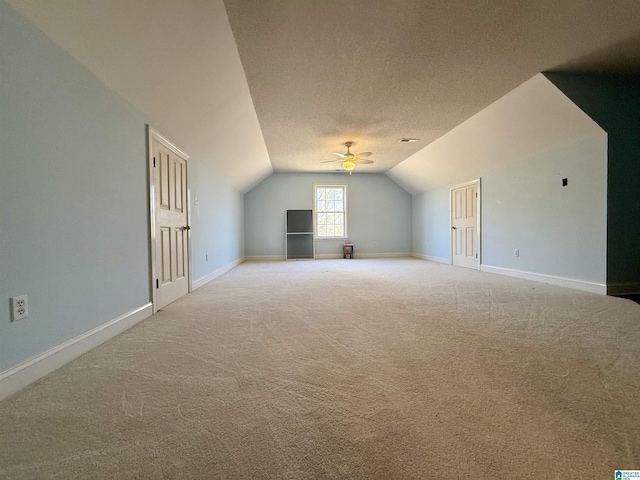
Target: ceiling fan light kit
<point>349,160</point>
<point>348,165</point>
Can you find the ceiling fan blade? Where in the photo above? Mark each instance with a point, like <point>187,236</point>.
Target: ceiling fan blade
<point>364,161</point>
<point>341,155</point>
<point>331,161</point>
<point>364,154</point>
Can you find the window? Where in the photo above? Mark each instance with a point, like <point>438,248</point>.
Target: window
<point>331,210</point>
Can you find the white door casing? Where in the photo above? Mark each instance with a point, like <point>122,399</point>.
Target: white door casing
<point>170,226</point>
<point>465,225</point>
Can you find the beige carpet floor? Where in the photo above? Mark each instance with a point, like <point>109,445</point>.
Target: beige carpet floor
<point>390,369</point>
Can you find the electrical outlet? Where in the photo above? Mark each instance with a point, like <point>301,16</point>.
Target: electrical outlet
<point>19,307</point>
<point>516,252</point>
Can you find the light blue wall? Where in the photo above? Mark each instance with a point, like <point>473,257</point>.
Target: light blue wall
<point>217,221</point>
<point>74,221</point>
<point>559,231</point>
<point>378,215</point>
<point>431,224</point>
<point>613,102</point>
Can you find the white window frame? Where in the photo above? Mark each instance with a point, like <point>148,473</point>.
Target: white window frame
<point>316,186</point>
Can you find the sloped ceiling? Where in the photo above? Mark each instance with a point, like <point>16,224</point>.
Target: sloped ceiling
<point>174,61</point>
<point>373,71</point>
<point>534,118</point>
<point>256,85</point>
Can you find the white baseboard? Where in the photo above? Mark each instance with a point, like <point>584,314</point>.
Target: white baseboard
<point>381,255</point>
<point>215,274</point>
<point>431,258</point>
<point>27,372</point>
<point>264,258</point>
<point>327,256</point>
<point>624,288</point>
<point>356,255</point>
<point>586,286</point>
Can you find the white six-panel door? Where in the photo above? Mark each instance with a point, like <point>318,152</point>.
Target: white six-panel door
<point>464,226</point>
<point>171,223</point>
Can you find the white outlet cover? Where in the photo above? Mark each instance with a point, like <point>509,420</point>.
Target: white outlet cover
<point>19,307</point>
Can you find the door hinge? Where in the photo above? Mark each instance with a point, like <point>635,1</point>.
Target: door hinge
<point>157,283</point>
<point>476,194</point>
<point>154,162</point>
<point>476,255</point>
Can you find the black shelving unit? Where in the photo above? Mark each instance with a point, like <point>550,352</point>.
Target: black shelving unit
<point>299,234</point>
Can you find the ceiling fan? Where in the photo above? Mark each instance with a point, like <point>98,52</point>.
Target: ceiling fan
<point>350,160</point>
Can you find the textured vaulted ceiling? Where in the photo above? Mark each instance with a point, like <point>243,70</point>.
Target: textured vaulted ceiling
<point>320,73</point>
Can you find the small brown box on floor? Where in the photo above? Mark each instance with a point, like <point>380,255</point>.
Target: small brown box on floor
<point>347,250</point>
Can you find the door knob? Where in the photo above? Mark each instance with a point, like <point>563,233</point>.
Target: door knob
<point>186,227</point>
<point>454,228</point>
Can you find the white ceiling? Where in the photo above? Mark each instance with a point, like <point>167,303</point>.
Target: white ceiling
<point>174,61</point>
<point>298,78</point>
<point>532,119</point>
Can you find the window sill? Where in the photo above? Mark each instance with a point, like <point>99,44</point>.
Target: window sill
<point>331,238</point>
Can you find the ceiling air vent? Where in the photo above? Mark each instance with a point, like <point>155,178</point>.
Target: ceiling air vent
<point>408,140</point>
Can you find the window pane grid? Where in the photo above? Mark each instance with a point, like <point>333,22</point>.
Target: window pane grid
<point>330,211</point>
